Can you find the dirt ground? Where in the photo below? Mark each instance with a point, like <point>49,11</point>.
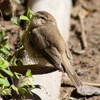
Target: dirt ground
<point>87,64</point>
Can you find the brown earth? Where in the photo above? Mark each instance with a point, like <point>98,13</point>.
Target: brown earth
<point>87,64</point>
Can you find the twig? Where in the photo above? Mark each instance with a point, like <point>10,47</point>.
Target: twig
<point>83,36</point>
<point>82,15</point>
<point>79,52</point>
<point>92,84</point>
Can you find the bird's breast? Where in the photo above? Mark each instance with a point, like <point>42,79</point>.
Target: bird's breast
<point>35,55</point>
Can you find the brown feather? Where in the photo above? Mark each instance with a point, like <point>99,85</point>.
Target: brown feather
<point>48,44</point>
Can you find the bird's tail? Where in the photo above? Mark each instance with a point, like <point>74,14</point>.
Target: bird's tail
<point>71,72</point>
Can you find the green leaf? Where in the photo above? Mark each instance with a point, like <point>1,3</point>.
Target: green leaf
<point>22,90</point>
<point>7,72</point>
<point>4,82</point>
<point>2,33</point>
<point>4,43</point>
<point>7,46</point>
<point>15,62</point>
<point>15,21</point>
<point>29,13</point>
<point>14,88</point>
<point>22,17</point>
<point>1,76</point>
<point>17,74</point>
<point>3,63</point>
<point>6,91</point>
<point>3,50</point>
<point>28,73</point>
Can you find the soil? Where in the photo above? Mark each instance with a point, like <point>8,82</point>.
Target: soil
<point>87,64</point>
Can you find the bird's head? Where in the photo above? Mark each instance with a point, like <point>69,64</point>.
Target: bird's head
<point>42,18</point>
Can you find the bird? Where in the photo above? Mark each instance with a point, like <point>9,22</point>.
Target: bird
<point>44,44</point>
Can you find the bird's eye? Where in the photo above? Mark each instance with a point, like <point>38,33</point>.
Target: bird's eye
<point>43,18</point>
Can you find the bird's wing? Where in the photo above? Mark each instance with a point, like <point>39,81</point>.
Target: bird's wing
<point>69,69</point>
<point>69,55</point>
<point>49,52</point>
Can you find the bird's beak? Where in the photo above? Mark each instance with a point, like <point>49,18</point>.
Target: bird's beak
<point>34,14</point>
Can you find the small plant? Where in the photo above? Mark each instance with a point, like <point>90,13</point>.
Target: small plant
<point>26,18</point>
<point>4,55</point>
<point>5,86</point>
